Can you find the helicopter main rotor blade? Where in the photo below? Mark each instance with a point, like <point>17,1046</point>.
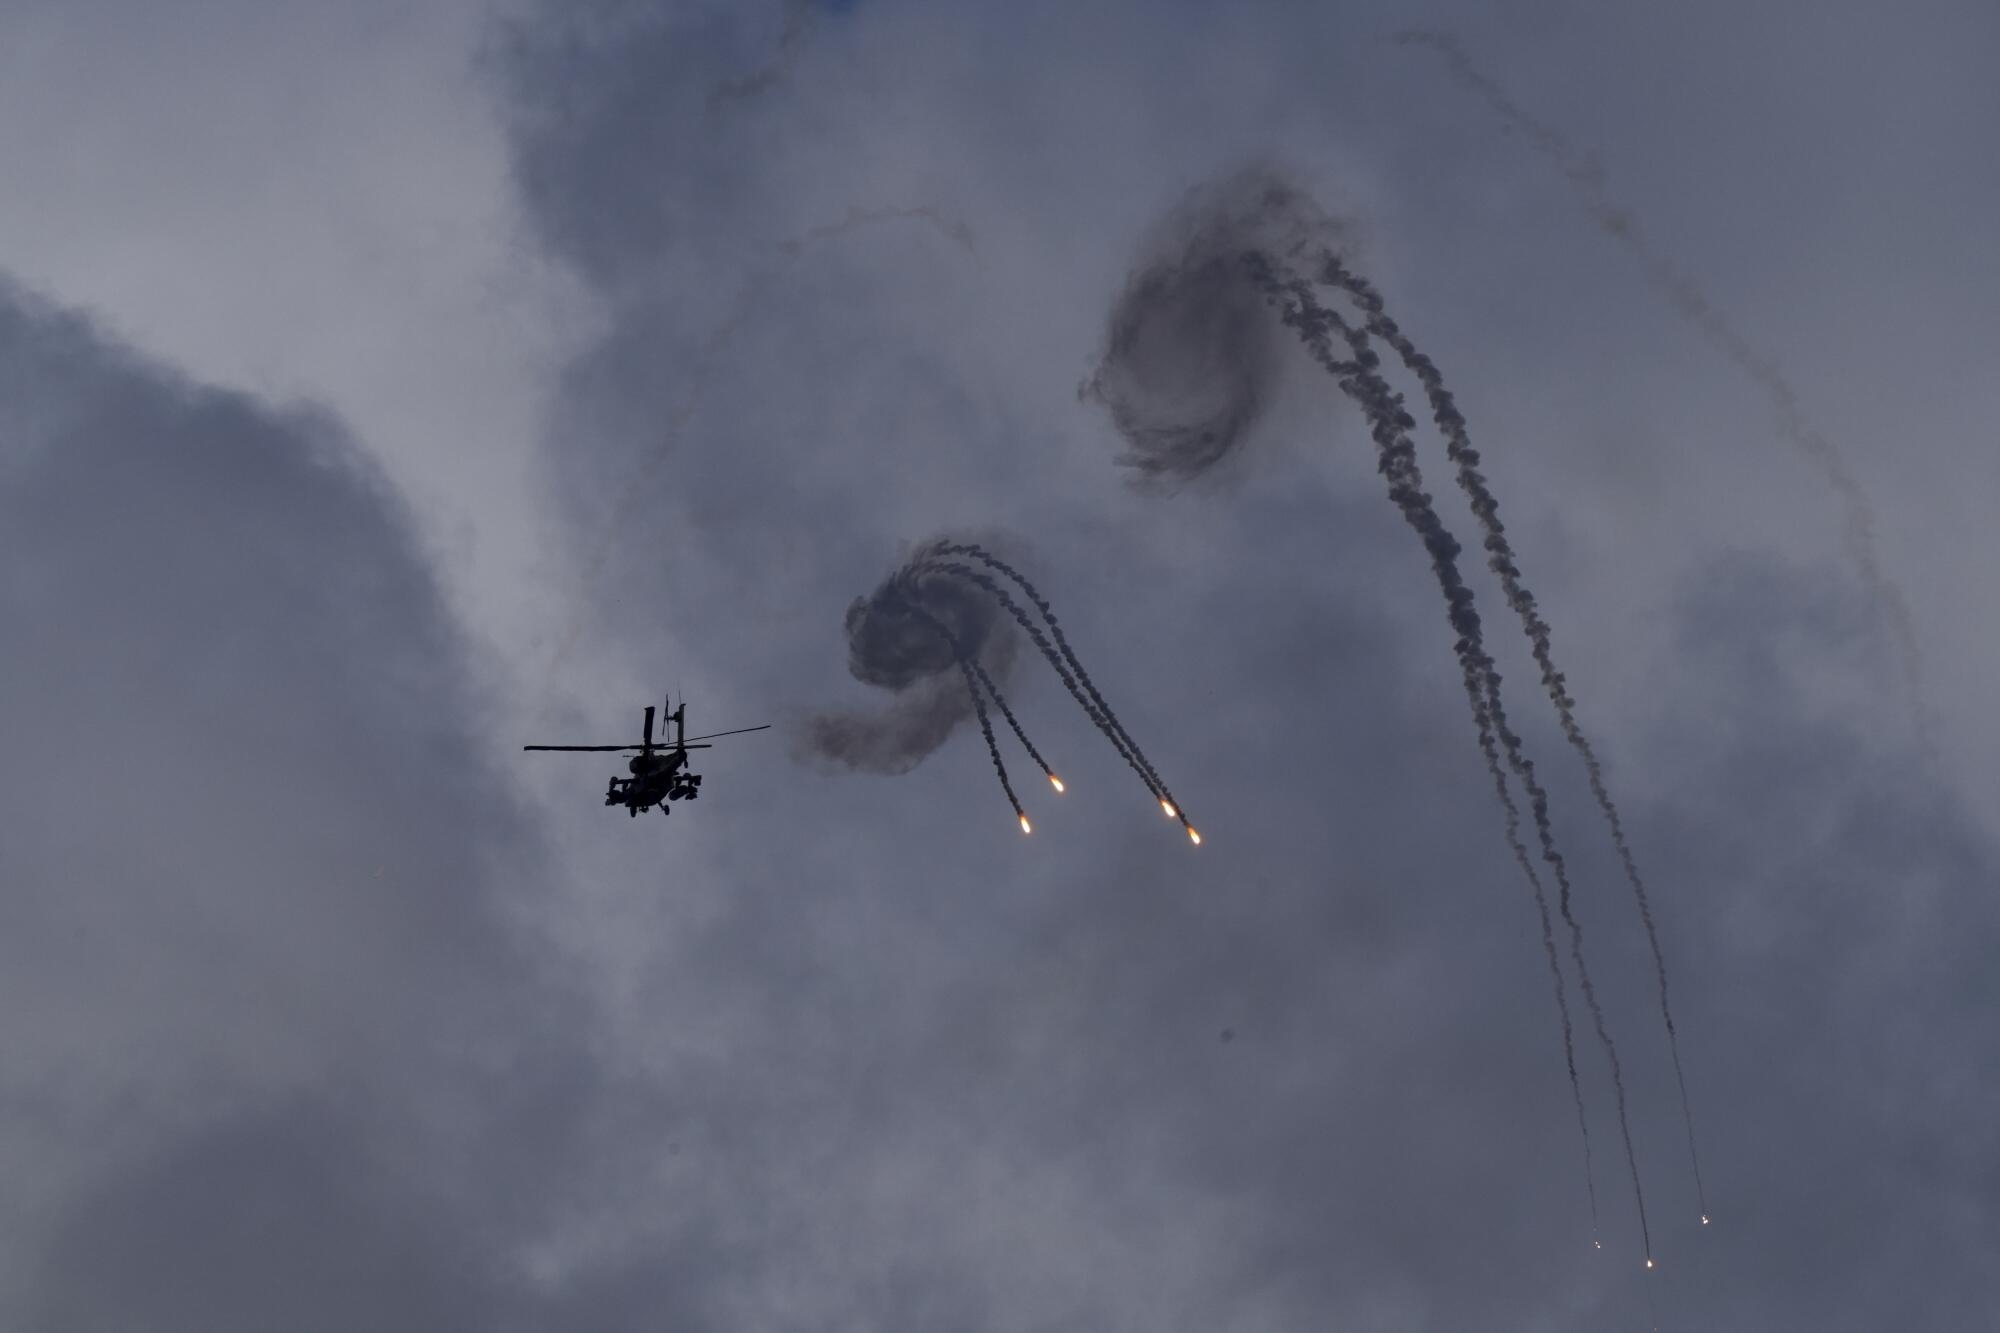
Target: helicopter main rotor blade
<point>583,747</point>
<point>738,732</point>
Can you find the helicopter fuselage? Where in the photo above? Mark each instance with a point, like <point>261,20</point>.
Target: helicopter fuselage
<point>658,776</point>
<point>659,772</point>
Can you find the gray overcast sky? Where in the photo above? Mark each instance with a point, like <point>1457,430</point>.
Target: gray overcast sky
<point>384,387</point>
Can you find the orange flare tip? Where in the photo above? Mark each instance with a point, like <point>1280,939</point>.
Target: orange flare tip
<point>1168,807</point>
<point>1025,826</point>
<point>1193,837</point>
<point>1056,782</point>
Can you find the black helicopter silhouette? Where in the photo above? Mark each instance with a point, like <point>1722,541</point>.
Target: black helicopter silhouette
<point>659,772</point>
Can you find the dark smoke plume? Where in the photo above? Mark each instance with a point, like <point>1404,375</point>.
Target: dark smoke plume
<point>1038,635</point>
<point>1060,661</point>
<point>1190,357</point>
<point>1066,665</point>
<point>977,685</point>
<point>1390,425</point>
<point>1180,333</point>
<point>1500,559</point>
<point>938,612</point>
<point>1000,701</point>
<point>1695,305</point>
<point>992,745</point>
<point>894,643</point>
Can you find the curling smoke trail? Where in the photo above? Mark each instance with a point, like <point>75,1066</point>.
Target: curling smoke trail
<point>929,614</point>
<point>1186,374</point>
<point>1500,558</point>
<point>1513,831</point>
<point>1389,425</point>
<point>889,648</point>
<point>967,666</point>
<point>1055,660</point>
<point>1000,702</point>
<point>1694,305</point>
<point>1102,715</point>
<point>992,745</point>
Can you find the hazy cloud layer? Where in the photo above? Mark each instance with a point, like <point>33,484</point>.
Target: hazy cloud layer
<point>847,1051</point>
<point>1313,1078</point>
<point>260,877</point>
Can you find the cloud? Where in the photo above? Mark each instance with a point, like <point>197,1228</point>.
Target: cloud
<point>263,885</point>
<point>279,1220</point>
<point>868,1059</point>
<point>979,1076</point>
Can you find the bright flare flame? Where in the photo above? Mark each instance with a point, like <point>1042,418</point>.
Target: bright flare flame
<point>1193,837</point>
<point>1649,1263</point>
<point>1598,1244</point>
<point>1056,782</point>
<point>1168,807</point>
<point>1704,1219</point>
<point>1025,826</point>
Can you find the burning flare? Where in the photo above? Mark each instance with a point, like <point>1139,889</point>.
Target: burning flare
<point>1193,837</point>
<point>1704,1219</point>
<point>1025,826</point>
<point>1056,782</point>
<point>1168,807</point>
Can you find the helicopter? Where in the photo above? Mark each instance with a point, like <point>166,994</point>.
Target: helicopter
<point>659,772</point>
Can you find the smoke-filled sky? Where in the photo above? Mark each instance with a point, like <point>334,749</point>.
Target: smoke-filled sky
<point>385,387</point>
